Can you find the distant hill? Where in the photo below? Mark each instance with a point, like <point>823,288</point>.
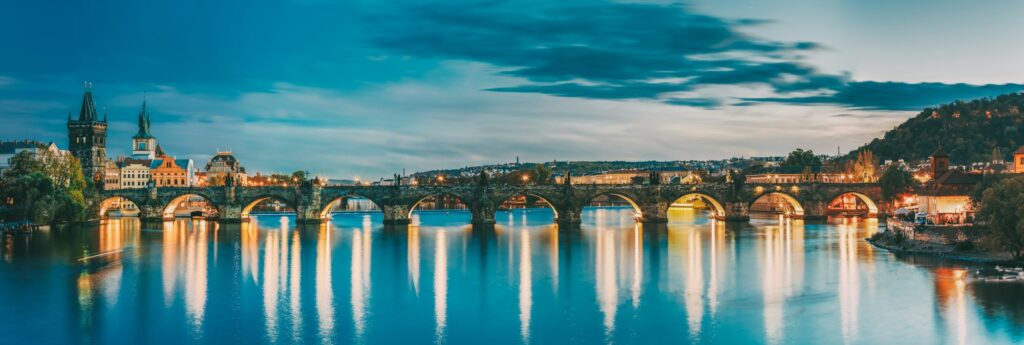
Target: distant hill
<point>968,131</point>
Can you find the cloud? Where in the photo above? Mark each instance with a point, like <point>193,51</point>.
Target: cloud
<point>627,50</point>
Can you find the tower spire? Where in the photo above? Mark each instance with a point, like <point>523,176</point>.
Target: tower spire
<point>88,111</point>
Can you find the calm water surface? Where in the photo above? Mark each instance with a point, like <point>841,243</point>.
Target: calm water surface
<point>440,281</point>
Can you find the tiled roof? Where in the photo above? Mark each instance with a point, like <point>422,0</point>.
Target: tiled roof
<point>1020,150</point>
<point>956,177</point>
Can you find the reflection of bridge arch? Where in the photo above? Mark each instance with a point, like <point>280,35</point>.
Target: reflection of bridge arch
<point>172,205</point>
<point>718,211</point>
<point>796,209</point>
<point>436,196</point>
<point>109,200</point>
<point>546,200</point>
<point>259,199</point>
<point>325,213</point>
<point>871,205</point>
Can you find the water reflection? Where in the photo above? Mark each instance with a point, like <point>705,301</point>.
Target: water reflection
<point>611,281</point>
<point>440,285</point>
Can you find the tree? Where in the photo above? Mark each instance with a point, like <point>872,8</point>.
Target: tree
<point>46,188</point>
<point>896,182</point>
<point>543,174</point>
<point>638,179</point>
<point>1002,210</point>
<point>863,168</point>
<point>802,158</point>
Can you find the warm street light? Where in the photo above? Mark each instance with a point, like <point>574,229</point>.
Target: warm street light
<point>526,178</point>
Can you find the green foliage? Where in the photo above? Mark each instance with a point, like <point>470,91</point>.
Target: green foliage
<point>542,174</point>
<point>802,158</point>
<point>1002,210</point>
<point>968,131</point>
<point>895,182</point>
<point>46,189</point>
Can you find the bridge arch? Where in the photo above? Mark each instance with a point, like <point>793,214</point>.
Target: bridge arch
<point>795,208</point>
<point>108,202</point>
<point>171,205</point>
<point>253,202</point>
<point>461,200</point>
<point>717,209</point>
<point>631,200</point>
<point>547,200</point>
<point>872,206</point>
<point>325,213</point>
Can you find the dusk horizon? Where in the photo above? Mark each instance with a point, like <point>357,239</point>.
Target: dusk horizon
<point>373,89</point>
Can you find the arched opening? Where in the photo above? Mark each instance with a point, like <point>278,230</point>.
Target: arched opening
<point>852,204</point>
<point>777,203</point>
<point>349,204</point>
<point>693,204</point>
<point>267,206</point>
<point>605,207</point>
<point>191,206</point>
<point>525,210</point>
<point>439,202</point>
<point>118,206</point>
<point>439,209</point>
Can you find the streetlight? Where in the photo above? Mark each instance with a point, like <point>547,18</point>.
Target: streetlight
<point>526,178</point>
<point>440,178</point>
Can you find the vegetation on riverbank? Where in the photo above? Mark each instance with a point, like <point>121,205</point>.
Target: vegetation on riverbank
<point>45,189</point>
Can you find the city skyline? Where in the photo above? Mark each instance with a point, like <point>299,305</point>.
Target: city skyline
<point>449,85</point>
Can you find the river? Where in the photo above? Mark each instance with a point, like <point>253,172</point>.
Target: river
<point>694,280</point>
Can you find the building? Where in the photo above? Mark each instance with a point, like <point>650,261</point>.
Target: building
<point>946,197</point>
<point>797,174</point>
<point>144,145</point>
<point>112,175</point>
<point>8,149</point>
<point>169,172</point>
<point>222,166</point>
<point>87,139</point>
<point>135,173</point>
<point>1018,161</point>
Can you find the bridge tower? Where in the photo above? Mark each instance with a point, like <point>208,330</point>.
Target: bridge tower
<point>87,138</point>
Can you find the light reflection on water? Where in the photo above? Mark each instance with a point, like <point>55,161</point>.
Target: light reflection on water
<point>696,280</point>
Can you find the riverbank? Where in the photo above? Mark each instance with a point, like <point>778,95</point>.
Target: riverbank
<point>894,242</point>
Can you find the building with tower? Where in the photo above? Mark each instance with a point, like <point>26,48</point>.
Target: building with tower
<point>143,143</point>
<point>87,138</point>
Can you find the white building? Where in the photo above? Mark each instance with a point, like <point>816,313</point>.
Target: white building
<point>135,173</point>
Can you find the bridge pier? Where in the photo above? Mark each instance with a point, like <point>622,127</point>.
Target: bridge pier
<point>307,215</point>
<point>482,216</point>
<point>396,214</point>
<point>230,214</point>
<point>815,210</point>
<point>654,213</point>
<point>736,211</point>
<point>569,216</point>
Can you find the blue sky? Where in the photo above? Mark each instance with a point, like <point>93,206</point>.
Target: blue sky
<point>369,88</point>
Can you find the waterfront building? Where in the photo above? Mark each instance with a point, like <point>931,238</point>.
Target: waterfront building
<point>135,173</point>
<point>222,166</point>
<point>1018,160</point>
<point>87,138</point>
<point>167,171</point>
<point>797,174</point>
<point>946,197</point>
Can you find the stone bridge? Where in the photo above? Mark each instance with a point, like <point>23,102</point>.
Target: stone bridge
<point>312,203</point>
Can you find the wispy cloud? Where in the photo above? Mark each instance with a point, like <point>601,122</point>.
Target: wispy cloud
<point>631,50</point>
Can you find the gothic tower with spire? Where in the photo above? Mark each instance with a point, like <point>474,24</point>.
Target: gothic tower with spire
<point>143,143</point>
<point>87,138</point>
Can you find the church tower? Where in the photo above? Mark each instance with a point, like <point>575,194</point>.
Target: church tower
<point>87,138</point>
<point>939,162</point>
<point>143,143</point>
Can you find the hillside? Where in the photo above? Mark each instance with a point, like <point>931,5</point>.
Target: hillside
<point>968,131</point>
